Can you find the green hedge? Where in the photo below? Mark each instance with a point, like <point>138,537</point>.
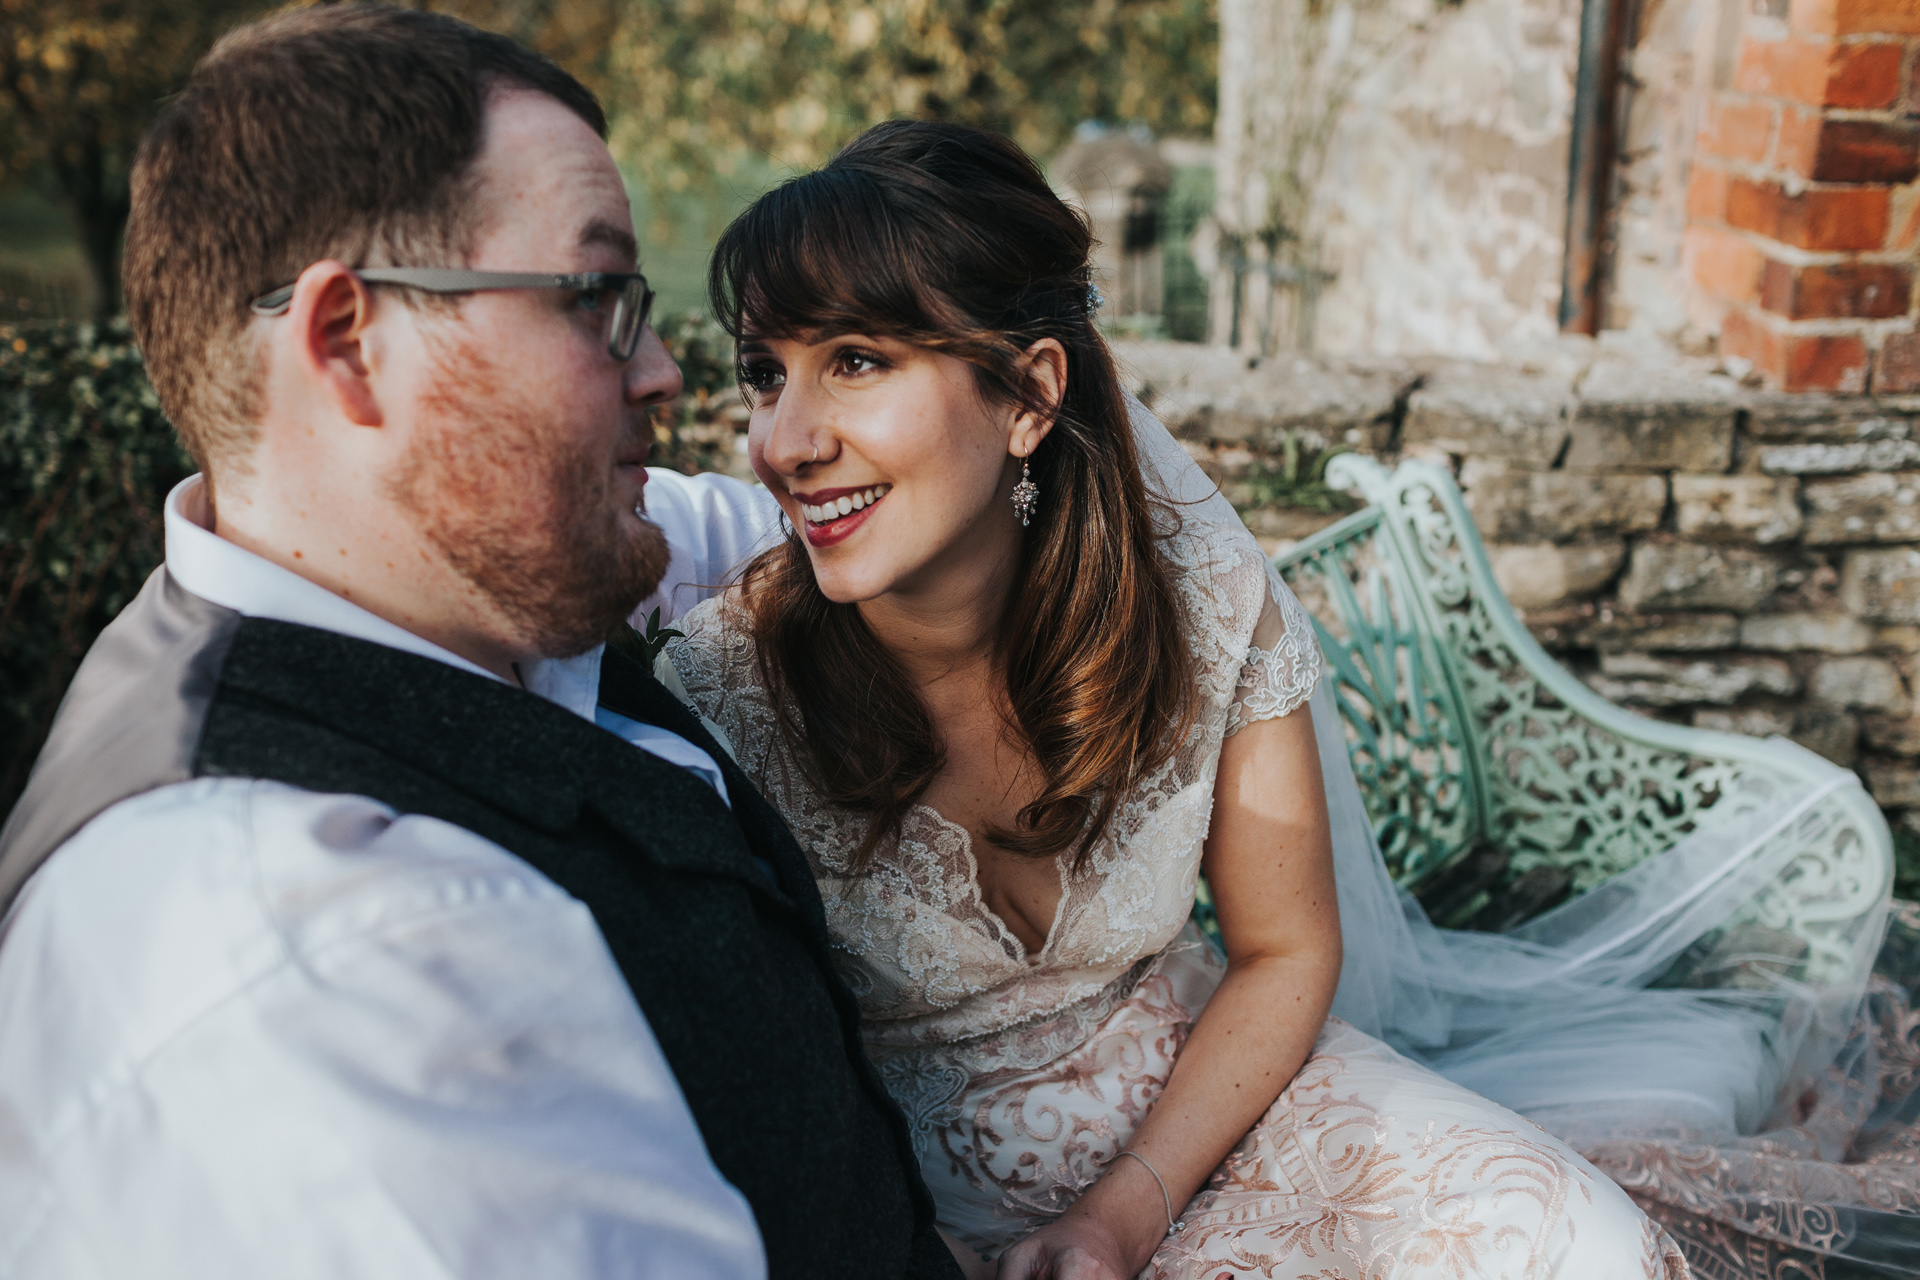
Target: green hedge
<point>701,432</point>
<point>86,459</point>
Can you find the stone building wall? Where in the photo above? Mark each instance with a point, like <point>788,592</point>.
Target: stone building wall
<point>1766,202</point>
<point>1439,205</point>
<point>1681,52</point>
<point>1693,548</point>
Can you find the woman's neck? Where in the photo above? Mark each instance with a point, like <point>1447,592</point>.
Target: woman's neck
<point>943,627</point>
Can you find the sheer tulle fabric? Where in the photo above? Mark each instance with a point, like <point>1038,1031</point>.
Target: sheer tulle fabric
<point>1655,1023</point>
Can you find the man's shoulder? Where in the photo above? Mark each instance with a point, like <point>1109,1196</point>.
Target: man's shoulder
<point>226,1001</point>
<point>714,523</point>
<point>171,902</point>
<point>706,488</point>
<point>210,835</point>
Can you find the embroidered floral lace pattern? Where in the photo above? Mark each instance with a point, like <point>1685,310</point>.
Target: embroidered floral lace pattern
<point>1331,1184</point>
<point>1368,1166</point>
<point>1275,681</point>
<point>1023,1075</point>
<point>1847,1176</point>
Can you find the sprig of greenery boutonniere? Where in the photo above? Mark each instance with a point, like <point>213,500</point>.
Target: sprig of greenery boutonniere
<point>656,636</point>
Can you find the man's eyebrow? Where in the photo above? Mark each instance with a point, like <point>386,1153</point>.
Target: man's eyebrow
<point>619,239</point>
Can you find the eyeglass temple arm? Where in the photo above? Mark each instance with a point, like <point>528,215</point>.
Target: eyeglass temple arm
<point>440,280</point>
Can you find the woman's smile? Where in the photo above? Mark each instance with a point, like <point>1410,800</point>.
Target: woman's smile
<point>833,514</point>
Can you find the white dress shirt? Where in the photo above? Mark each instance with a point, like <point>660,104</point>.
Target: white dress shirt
<point>714,525</point>
<point>248,1030</point>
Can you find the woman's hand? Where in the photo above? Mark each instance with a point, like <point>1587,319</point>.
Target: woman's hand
<point>972,1265</point>
<point>1110,1233</point>
<point>1073,1247</point>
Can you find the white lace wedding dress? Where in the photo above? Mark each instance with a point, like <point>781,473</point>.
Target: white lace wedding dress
<point>1023,1075</point>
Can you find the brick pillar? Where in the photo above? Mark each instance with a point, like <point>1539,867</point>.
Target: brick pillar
<point>1803,211</point>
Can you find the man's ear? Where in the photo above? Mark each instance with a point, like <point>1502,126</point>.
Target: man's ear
<point>1044,375</point>
<point>327,323</point>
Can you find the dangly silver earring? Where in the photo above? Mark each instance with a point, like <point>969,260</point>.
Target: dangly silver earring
<point>1026,496</point>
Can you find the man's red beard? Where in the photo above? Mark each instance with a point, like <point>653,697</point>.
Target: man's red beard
<point>524,512</point>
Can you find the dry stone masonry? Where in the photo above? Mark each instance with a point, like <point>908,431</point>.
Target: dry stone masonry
<point>1696,548</point>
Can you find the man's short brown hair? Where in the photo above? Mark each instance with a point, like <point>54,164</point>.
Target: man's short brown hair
<point>343,131</point>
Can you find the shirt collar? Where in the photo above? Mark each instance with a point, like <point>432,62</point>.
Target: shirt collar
<point>228,575</point>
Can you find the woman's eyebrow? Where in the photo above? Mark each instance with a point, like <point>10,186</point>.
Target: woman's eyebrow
<point>751,340</point>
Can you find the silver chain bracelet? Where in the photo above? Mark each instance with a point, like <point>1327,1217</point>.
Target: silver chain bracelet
<point>1172,1224</point>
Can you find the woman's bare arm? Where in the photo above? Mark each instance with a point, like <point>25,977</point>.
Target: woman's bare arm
<point>1269,861</point>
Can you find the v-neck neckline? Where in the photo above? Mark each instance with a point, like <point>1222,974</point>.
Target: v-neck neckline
<point>1025,958</point>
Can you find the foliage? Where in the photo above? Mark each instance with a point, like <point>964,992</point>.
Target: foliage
<point>88,458</point>
<point>1906,863</point>
<point>702,92</point>
<point>701,86</point>
<point>80,80</point>
<point>698,432</point>
<point>1189,205</point>
<point>1298,480</point>
<point>577,34</point>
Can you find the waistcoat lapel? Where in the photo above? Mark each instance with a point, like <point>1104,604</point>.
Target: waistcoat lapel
<point>491,748</point>
<point>628,689</point>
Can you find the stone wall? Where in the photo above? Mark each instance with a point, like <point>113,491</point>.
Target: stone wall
<point>1439,204</point>
<point>1691,547</point>
<point>1681,52</point>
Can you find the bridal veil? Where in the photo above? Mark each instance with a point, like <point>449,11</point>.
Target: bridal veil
<point>1702,1059</point>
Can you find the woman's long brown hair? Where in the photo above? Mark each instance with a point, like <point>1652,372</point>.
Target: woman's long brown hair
<point>949,238</point>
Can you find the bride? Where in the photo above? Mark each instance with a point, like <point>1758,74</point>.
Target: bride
<point>1013,702</point>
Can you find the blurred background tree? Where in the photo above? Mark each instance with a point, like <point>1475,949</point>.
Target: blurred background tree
<point>80,80</point>
<point>712,100</point>
<point>715,100</point>
<point>697,84</point>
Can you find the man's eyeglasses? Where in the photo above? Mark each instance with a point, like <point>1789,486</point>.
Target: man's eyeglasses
<point>632,300</point>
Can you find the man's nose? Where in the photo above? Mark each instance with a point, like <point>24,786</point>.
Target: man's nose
<point>651,375</point>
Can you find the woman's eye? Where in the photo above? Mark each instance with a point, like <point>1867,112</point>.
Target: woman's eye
<point>759,376</point>
<point>856,362</point>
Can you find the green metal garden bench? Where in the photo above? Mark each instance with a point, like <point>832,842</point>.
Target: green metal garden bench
<point>1496,782</point>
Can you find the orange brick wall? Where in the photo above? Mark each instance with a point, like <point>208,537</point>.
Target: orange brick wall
<point>1804,202</point>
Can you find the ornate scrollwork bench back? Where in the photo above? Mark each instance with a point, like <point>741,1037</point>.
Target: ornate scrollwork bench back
<point>1474,749</point>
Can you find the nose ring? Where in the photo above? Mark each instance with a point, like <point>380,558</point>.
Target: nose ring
<point>816,453</point>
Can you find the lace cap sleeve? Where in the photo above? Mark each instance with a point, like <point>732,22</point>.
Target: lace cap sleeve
<point>1282,666</point>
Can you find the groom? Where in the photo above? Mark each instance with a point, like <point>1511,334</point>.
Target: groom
<point>365,917</point>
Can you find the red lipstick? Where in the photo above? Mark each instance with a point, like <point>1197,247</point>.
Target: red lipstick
<point>829,531</point>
